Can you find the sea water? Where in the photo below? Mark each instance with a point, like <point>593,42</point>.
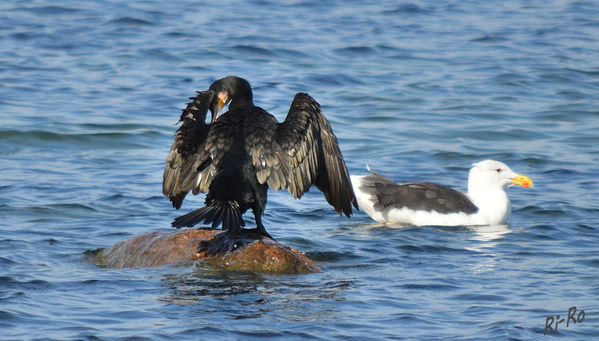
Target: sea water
<point>90,92</point>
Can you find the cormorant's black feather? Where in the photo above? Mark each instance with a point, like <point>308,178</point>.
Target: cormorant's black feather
<point>179,173</point>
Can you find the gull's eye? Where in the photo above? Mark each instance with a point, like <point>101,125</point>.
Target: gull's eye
<point>498,170</point>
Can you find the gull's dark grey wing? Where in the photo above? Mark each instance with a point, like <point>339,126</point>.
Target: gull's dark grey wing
<point>424,196</point>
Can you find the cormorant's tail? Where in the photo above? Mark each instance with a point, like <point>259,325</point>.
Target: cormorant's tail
<point>225,212</point>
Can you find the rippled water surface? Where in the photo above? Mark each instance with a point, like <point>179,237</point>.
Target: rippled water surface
<point>89,95</point>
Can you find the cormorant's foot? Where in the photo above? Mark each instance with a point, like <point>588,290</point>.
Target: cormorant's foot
<point>263,233</point>
<point>205,228</point>
<point>227,241</point>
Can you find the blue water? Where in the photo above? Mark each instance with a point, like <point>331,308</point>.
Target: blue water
<point>89,95</point>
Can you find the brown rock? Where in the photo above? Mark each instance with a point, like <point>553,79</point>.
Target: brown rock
<point>245,252</point>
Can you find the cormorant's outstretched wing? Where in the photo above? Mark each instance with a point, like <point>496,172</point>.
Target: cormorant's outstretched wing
<point>303,151</point>
<point>181,170</point>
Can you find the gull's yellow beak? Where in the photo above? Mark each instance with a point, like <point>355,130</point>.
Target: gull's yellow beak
<point>521,180</point>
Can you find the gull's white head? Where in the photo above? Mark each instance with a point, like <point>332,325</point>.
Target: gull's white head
<point>491,174</point>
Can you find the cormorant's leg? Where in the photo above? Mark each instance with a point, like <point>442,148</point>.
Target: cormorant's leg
<point>260,226</point>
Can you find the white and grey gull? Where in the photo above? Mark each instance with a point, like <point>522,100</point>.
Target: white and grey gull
<point>426,204</point>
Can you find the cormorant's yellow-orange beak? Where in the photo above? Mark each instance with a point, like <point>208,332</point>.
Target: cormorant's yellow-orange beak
<point>222,97</point>
<point>522,180</point>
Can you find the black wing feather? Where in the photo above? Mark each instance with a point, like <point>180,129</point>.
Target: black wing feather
<point>181,171</point>
<point>300,152</point>
<point>303,151</point>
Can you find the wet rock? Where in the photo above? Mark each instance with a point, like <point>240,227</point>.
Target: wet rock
<point>246,252</point>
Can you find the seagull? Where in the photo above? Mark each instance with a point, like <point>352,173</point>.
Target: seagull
<point>425,203</point>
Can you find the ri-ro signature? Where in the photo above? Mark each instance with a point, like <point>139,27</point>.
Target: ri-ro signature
<point>572,317</point>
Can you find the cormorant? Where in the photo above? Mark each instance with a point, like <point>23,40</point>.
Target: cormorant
<point>424,203</point>
<point>239,154</point>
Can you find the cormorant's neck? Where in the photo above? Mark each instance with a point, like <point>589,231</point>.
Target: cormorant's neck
<point>240,101</point>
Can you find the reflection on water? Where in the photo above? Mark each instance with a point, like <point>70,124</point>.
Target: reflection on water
<point>490,235</point>
<point>486,238</point>
<point>186,288</point>
<point>89,95</point>
<point>252,295</point>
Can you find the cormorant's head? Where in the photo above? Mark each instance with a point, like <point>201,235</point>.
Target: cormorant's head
<point>234,90</point>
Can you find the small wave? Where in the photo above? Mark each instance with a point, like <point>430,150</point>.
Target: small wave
<point>480,298</point>
<point>159,54</point>
<point>329,256</point>
<point>560,171</point>
<point>40,214</point>
<point>295,53</point>
<point>75,206</point>
<point>355,50</point>
<point>408,8</point>
<point>49,10</point>
<point>48,136</point>
<point>131,21</point>
<point>252,50</point>
<point>6,261</point>
<point>5,316</point>
<point>541,211</point>
<point>113,140</point>
<point>543,232</point>
<point>508,135</point>
<point>430,249</point>
<point>489,39</point>
<point>119,127</point>
<point>591,262</point>
<point>429,286</point>
<point>539,161</point>
<point>514,79</point>
<point>592,72</point>
<point>587,228</point>
<point>300,242</point>
<point>36,284</point>
<point>335,79</point>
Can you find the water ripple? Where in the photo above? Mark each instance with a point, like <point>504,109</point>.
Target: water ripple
<point>90,93</point>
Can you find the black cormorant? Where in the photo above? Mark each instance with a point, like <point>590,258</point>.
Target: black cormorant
<point>239,154</point>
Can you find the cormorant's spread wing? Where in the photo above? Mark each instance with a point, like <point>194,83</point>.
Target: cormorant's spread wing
<point>424,196</point>
<point>211,153</point>
<point>181,170</point>
<point>305,152</point>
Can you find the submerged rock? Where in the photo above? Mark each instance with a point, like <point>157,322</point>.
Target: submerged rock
<point>246,252</point>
